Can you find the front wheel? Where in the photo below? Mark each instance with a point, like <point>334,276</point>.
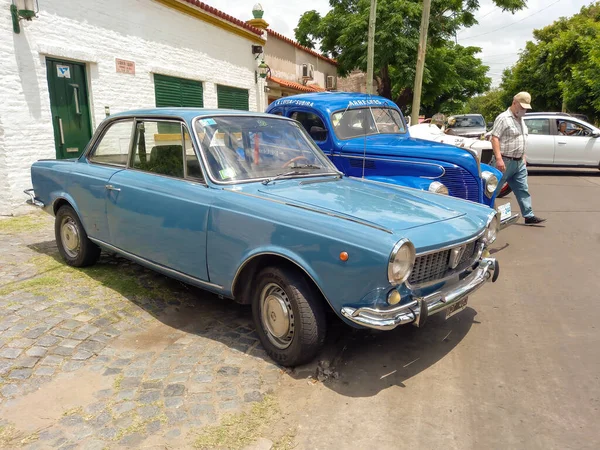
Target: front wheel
<point>288,313</point>
<point>73,243</point>
<point>504,191</point>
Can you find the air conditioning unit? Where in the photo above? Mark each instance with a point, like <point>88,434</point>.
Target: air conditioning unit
<point>308,71</point>
<point>330,82</point>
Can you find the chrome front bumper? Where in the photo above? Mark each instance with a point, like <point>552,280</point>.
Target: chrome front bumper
<point>420,308</point>
<point>33,200</point>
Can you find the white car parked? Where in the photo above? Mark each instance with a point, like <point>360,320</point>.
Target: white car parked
<point>550,143</point>
<point>431,132</point>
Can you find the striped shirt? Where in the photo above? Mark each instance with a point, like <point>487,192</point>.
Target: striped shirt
<point>512,134</point>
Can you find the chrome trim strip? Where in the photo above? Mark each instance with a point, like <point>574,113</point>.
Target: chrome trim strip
<point>245,263</point>
<point>309,208</point>
<point>157,267</point>
<point>398,160</point>
<point>421,307</point>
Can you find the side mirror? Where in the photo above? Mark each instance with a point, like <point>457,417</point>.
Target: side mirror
<point>596,134</point>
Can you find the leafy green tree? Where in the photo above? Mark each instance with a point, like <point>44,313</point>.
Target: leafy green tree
<point>342,34</point>
<point>562,67</point>
<point>489,105</point>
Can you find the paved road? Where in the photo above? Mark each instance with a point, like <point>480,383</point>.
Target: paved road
<point>520,368</point>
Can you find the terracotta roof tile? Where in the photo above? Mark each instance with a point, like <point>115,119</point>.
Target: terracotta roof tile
<point>301,47</point>
<point>297,86</point>
<point>224,16</point>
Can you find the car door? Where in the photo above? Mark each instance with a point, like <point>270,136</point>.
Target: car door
<point>107,156</point>
<point>540,141</point>
<point>158,208</point>
<point>576,147</point>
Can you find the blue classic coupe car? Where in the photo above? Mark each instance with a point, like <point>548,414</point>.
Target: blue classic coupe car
<point>246,205</point>
<point>366,136</point>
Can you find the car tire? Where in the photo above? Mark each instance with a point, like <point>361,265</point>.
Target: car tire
<point>504,191</point>
<point>288,312</point>
<point>73,243</point>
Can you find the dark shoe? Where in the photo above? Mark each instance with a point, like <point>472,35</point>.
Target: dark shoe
<point>533,220</point>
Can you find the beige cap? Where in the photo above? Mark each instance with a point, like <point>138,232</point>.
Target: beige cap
<point>524,99</point>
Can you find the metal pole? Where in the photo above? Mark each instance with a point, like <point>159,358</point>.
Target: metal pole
<point>371,46</point>
<point>416,105</point>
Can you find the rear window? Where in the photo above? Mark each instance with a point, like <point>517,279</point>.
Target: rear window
<point>466,122</point>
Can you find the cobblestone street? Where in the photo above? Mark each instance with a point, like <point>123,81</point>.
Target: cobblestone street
<point>114,355</point>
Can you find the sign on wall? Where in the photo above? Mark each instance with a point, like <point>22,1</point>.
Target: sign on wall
<point>63,71</point>
<point>124,66</point>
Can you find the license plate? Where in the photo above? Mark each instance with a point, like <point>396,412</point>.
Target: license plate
<point>505,212</point>
<point>457,307</point>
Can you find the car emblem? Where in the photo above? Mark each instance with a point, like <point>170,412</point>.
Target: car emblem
<point>455,256</point>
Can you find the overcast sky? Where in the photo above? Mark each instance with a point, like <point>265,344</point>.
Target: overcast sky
<point>501,35</point>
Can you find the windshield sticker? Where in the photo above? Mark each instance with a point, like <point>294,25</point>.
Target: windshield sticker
<point>207,122</point>
<point>229,172</point>
<point>365,102</point>
<point>294,102</point>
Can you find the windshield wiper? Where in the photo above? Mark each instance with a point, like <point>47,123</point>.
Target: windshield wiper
<point>285,174</point>
<point>304,166</point>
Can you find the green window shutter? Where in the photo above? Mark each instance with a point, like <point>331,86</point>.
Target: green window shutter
<point>170,91</point>
<point>233,98</point>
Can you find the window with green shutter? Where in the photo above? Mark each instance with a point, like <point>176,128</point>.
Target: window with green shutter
<point>232,98</point>
<point>171,91</point>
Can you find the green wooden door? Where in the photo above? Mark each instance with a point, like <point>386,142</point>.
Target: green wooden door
<point>232,98</point>
<point>69,106</point>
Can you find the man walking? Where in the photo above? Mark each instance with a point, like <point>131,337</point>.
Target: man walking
<point>509,139</point>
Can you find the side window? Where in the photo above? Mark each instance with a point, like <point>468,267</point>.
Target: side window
<point>193,169</point>
<point>311,123</point>
<point>158,148</point>
<point>568,128</point>
<point>538,126</point>
<point>114,144</point>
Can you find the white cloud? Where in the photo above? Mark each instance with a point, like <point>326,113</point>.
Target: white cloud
<point>501,35</point>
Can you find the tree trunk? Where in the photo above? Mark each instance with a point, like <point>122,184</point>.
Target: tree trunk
<point>405,98</point>
<point>385,83</point>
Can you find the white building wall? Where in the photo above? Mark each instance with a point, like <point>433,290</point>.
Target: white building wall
<point>158,39</point>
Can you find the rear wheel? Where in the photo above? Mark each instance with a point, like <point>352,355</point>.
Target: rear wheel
<point>288,313</point>
<point>73,243</point>
<point>504,191</point>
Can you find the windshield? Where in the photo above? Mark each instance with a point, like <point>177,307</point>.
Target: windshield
<point>238,148</point>
<point>466,122</point>
<point>365,121</point>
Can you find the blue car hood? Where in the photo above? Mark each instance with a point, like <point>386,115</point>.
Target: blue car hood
<point>393,209</point>
<point>403,146</point>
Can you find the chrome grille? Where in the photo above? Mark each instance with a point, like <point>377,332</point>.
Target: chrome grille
<point>461,183</point>
<point>435,266</point>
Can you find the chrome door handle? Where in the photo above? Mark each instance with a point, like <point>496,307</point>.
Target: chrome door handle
<point>62,135</point>
<point>562,143</point>
<point>110,187</point>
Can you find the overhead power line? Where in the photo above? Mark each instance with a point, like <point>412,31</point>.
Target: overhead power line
<point>511,24</point>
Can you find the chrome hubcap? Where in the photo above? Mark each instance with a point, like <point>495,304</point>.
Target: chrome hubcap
<point>277,315</point>
<point>69,234</point>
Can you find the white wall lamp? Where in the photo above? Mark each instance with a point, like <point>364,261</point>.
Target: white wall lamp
<point>23,9</point>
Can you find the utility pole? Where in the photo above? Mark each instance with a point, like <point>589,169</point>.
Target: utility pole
<point>416,105</point>
<point>371,46</point>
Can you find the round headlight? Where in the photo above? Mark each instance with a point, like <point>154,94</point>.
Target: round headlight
<point>401,261</point>
<point>438,188</point>
<point>491,232</point>
<point>491,182</point>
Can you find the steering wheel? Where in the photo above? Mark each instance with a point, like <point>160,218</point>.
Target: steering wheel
<point>297,158</point>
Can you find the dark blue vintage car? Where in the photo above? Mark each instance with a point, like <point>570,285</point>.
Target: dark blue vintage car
<point>247,206</point>
<point>367,136</point>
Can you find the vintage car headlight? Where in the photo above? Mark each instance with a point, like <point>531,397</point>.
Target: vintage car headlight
<point>491,182</point>
<point>401,261</point>
<point>438,188</point>
<point>491,232</point>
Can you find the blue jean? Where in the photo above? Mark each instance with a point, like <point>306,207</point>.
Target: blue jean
<point>516,177</point>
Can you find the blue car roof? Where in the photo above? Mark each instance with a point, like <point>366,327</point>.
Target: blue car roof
<point>333,101</point>
<point>186,113</point>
